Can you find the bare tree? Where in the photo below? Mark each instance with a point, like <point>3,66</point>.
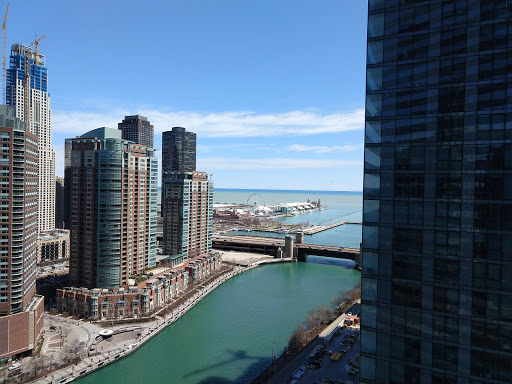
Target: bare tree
<point>339,299</point>
<point>297,339</point>
<point>312,320</point>
<point>325,314</point>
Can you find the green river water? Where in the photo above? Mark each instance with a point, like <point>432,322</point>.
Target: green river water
<point>228,336</point>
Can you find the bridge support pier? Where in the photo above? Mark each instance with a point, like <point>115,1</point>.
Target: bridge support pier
<point>301,256</point>
<point>289,247</point>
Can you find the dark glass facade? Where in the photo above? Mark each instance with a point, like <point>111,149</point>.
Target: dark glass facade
<point>59,202</point>
<point>138,129</point>
<point>178,151</point>
<point>437,222</point>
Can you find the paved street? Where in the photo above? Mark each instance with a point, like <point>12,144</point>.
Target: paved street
<point>287,371</point>
<point>336,370</point>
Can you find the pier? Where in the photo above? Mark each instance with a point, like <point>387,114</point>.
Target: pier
<point>319,228</point>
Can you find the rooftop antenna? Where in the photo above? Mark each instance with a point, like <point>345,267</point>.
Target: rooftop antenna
<point>36,43</point>
<point>4,27</point>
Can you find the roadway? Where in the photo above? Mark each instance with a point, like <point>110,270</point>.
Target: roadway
<point>270,245</point>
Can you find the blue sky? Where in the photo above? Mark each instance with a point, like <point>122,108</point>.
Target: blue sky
<point>274,89</point>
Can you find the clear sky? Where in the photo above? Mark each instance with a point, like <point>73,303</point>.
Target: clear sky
<point>274,89</point>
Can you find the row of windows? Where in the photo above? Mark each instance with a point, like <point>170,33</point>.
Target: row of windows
<point>422,45</point>
<point>483,246</point>
<point>489,97</point>
<point>442,214</point>
<point>497,126</point>
<point>435,73</point>
<point>448,13</point>
<point>446,271</point>
<point>430,185</point>
<point>487,305</point>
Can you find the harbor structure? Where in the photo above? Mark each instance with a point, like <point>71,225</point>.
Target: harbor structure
<point>187,215</point>
<point>436,251</point>
<point>27,92</point>
<point>138,129</point>
<point>21,309</point>
<point>113,193</point>
<point>52,245</point>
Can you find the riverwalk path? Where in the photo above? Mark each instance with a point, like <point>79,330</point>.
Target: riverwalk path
<point>89,362</point>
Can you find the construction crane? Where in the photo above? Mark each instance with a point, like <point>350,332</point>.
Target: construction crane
<point>36,43</point>
<point>4,27</point>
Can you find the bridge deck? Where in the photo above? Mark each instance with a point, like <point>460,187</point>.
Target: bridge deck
<point>268,244</point>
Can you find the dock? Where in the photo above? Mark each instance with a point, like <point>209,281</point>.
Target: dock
<point>319,228</point>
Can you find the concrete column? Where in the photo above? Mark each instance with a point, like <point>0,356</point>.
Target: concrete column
<point>288,246</point>
<point>299,237</point>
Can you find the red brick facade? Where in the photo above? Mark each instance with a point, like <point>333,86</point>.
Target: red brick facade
<point>129,301</point>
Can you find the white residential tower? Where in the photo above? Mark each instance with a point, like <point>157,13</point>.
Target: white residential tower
<point>28,71</point>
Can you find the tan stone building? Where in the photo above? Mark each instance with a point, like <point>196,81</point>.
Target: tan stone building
<point>53,245</point>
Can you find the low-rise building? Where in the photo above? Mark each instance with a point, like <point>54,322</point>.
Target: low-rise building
<point>202,266</point>
<point>140,299</point>
<point>53,245</point>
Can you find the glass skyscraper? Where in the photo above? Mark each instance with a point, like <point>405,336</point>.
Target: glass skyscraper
<point>437,225</point>
<point>113,204</point>
<point>138,129</point>
<point>188,215</point>
<point>178,151</point>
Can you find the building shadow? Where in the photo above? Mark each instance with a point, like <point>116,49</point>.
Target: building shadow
<point>257,366</point>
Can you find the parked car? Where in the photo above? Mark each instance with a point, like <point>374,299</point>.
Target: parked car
<point>14,366</point>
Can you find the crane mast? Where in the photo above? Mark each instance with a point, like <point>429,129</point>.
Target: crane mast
<point>4,27</point>
<point>36,43</point>
<point>26,93</point>
<point>27,89</point>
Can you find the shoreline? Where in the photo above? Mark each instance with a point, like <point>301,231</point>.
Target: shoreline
<point>91,364</point>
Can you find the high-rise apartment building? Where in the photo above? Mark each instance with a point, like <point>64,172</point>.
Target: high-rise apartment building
<point>113,193</point>
<point>138,129</point>
<point>188,215</point>
<point>59,202</point>
<point>67,168</point>
<point>437,222</point>
<point>178,151</point>
<point>21,310</point>
<point>27,71</point>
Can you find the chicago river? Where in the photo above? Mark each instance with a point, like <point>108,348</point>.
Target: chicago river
<point>228,337</point>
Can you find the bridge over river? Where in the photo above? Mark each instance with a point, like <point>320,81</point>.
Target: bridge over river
<point>271,246</point>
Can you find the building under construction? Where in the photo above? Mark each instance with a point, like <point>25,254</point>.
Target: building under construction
<point>27,92</point>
